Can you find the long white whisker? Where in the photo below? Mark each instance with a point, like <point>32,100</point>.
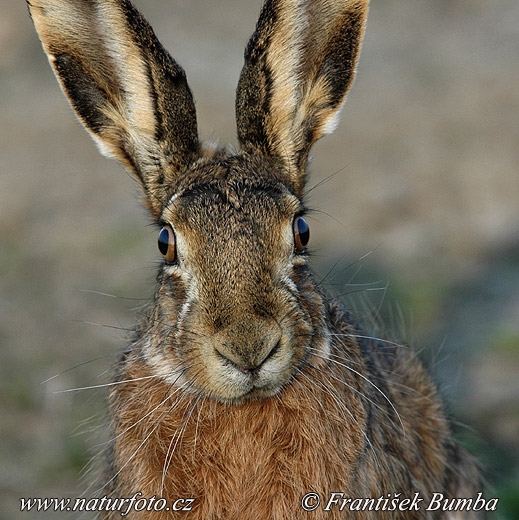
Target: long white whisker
<point>343,358</point>
<point>373,385</point>
<point>170,452</point>
<point>403,388</point>
<point>155,426</point>
<point>111,384</point>
<point>335,397</point>
<point>381,340</point>
<point>74,367</point>
<point>178,389</point>
<point>196,427</point>
<point>350,387</point>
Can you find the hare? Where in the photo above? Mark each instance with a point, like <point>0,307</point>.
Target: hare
<point>245,393</point>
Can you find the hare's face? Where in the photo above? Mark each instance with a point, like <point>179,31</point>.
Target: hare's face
<point>237,309</point>
<point>236,313</point>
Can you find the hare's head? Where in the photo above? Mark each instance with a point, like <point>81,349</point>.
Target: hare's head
<point>236,311</point>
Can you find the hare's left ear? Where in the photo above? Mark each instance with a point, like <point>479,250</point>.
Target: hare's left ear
<point>299,66</point>
<point>126,89</point>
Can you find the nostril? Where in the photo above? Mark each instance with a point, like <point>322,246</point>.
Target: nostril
<point>237,366</point>
<point>228,361</point>
<point>272,353</point>
<point>245,366</point>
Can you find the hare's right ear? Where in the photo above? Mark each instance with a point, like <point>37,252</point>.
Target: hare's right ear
<point>299,66</point>
<point>125,88</point>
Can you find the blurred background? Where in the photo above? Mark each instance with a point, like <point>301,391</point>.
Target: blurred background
<point>416,224</point>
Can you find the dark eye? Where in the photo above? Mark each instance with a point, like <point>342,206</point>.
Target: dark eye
<point>301,234</point>
<point>167,244</point>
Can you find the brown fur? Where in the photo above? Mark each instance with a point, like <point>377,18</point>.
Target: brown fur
<point>244,387</point>
<point>255,460</point>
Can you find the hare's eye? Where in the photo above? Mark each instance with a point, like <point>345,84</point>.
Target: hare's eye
<point>301,234</point>
<point>167,244</point>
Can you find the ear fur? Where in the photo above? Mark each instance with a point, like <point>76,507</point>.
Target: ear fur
<point>299,65</point>
<point>126,89</point>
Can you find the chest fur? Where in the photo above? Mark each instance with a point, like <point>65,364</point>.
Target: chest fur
<point>256,459</point>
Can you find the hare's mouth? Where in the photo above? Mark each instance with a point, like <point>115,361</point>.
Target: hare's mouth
<point>235,382</point>
<point>232,379</point>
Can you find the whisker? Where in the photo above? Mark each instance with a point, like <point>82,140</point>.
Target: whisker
<point>374,386</point>
<point>104,325</point>
<point>403,388</point>
<point>373,338</point>
<point>196,427</point>
<point>153,429</point>
<point>99,293</point>
<point>170,452</point>
<point>169,396</point>
<point>350,284</point>
<point>360,259</point>
<point>316,399</point>
<point>326,179</point>
<point>320,283</point>
<point>113,383</point>
<point>356,291</point>
<point>75,366</point>
<point>339,380</point>
<point>337,400</point>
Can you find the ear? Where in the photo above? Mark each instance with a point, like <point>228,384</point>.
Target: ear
<point>126,89</point>
<point>299,66</point>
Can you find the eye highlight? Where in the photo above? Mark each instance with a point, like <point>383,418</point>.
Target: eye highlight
<point>301,235</point>
<point>167,244</point>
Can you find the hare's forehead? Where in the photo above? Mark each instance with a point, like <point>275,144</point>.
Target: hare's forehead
<point>217,209</point>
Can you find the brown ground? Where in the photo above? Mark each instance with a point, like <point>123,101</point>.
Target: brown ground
<point>428,149</point>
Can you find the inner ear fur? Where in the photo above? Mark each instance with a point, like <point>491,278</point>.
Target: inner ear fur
<point>299,65</point>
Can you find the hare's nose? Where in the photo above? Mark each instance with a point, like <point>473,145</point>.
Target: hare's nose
<point>249,360</point>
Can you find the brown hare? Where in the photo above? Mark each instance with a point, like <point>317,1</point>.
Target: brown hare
<point>245,393</point>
